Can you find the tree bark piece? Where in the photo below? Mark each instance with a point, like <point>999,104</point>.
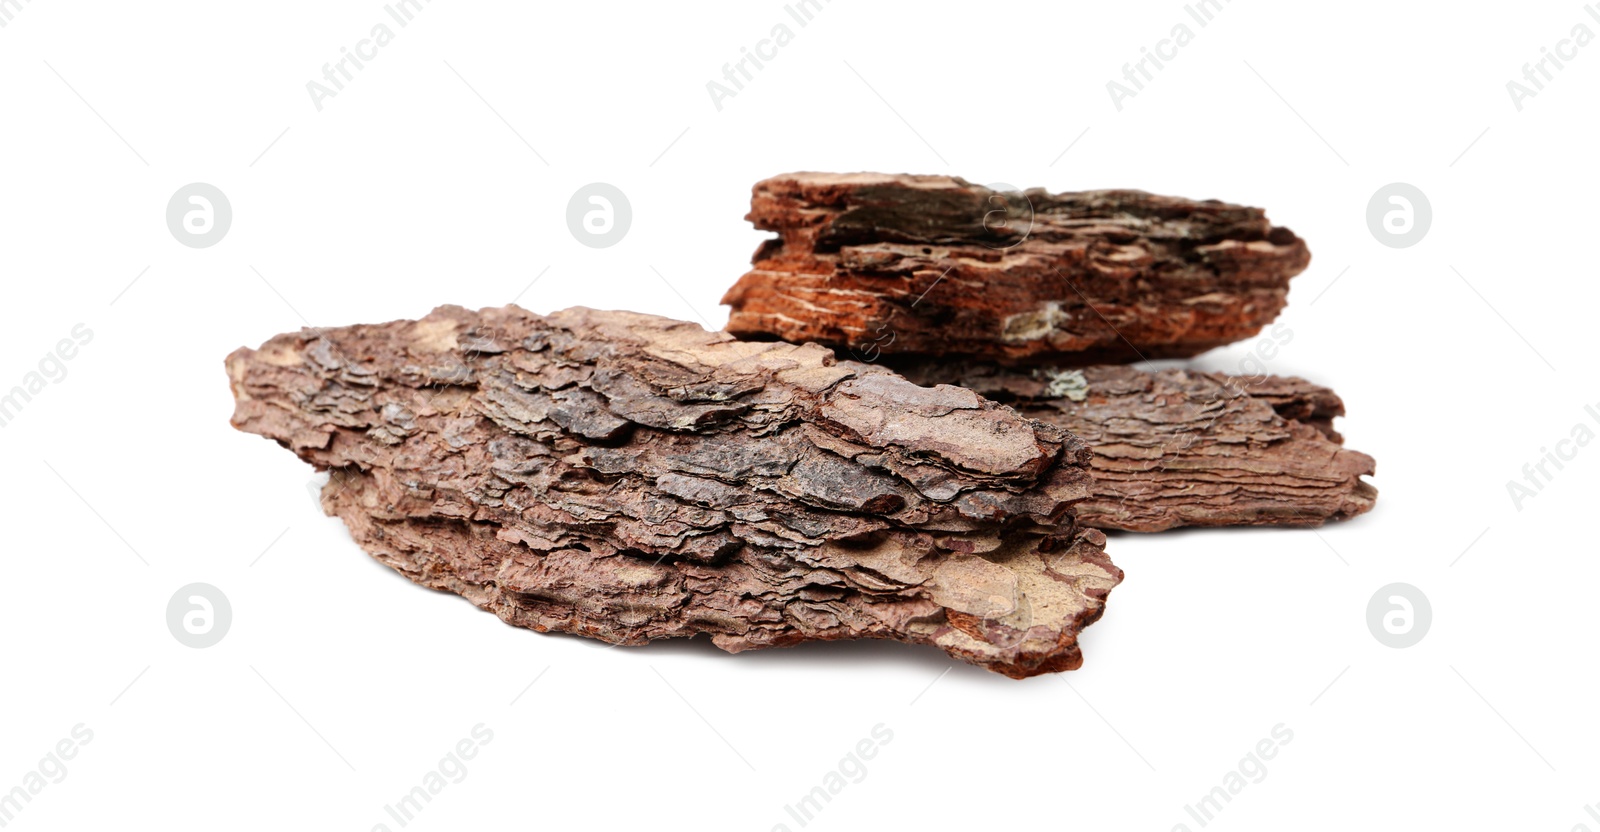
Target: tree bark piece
<point>906,266</point>
<point>628,478</point>
<point>1181,448</point>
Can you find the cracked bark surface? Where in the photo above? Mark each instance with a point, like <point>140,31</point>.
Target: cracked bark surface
<point>1180,448</point>
<point>628,478</point>
<point>903,266</point>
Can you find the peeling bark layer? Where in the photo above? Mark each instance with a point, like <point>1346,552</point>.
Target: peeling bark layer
<point>628,478</point>
<point>1180,448</point>
<point>901,265</point>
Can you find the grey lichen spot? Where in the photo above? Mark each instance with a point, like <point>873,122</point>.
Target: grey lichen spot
<point>1068,384</point>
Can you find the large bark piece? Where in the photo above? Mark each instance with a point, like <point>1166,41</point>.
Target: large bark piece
<point>1181,448</point>
<point>628,478</point>
<point>905,266</point>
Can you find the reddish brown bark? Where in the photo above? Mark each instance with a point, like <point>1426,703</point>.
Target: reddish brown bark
<point>905,266</point>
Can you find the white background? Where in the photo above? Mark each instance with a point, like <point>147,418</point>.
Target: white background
<point>340,684</point>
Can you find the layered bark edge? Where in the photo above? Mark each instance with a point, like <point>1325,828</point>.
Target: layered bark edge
<point>627,477</point>
<point>1182,448</point>
<point>906,266</point>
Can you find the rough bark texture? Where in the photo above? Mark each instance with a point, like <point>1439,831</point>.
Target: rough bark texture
<point>628,478</point>
<point>901,265</point>
<point>1179,448</point>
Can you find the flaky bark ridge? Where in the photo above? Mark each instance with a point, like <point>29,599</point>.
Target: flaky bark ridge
<point>1182,448</point>
<point>627,478</point>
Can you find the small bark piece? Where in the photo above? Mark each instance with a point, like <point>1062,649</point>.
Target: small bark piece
<point>1181,448</point>
<point>628,478</point>
<point>905,266</point>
